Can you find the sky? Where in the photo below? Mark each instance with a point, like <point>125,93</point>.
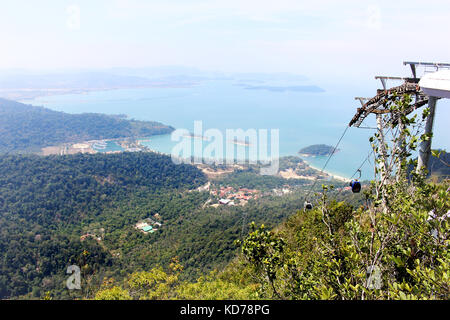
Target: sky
<point>348,40</point>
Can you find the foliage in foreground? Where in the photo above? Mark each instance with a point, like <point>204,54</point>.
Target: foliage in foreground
<point>401,254</point>
<point>160,284</point>
<point>332,252</point>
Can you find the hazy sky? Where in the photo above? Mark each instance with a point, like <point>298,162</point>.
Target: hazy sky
<point>345,39</point>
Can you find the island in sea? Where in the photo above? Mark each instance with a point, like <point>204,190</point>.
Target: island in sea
<point>317,150</point>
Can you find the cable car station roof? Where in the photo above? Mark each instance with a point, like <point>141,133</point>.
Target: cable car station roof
<point>435,83</point>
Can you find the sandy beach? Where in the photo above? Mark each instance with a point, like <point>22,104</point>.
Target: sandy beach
<point>335,176</point>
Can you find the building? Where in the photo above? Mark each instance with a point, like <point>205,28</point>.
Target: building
<point>147,228</point>
<point>228,202</point>
<point>224,201</point>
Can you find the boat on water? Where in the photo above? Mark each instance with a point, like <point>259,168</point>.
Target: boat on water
<point>245,143</point>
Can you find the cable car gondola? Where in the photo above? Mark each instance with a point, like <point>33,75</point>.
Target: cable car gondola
<point>355,184</point>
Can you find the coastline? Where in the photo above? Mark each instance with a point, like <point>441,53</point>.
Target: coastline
<point>89,147</point>
<point>343,164</point>
<point>27,95</point>
<point>333,175</point>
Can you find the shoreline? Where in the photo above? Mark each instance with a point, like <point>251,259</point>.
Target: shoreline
<point>333,175</point>
<point>89,148</point>
<point>42,93</point>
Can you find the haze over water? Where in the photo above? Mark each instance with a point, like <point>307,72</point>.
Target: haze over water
<point>303,118</point>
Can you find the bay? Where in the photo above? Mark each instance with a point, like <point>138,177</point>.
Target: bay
<point>302,118</point>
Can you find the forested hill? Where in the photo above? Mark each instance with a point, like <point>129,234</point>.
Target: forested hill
<point>47,203</point>
<point>26,128</point>
<point>64,188</point>
<point>318,150</point>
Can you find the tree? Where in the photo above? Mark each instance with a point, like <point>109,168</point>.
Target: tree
<point>264,251</point>
<point>114,293</point>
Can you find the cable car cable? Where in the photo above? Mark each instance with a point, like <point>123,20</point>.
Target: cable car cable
<point>307,204</point>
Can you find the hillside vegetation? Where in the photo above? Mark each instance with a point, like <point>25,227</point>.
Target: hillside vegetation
<point>82,209</point>
<point>333,252</point>
<point>47,203</point>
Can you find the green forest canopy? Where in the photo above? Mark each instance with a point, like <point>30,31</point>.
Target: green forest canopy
<point>47,203</point>
<point>318,150</point>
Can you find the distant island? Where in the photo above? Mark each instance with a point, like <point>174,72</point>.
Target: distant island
<point>317,150</point>
<point>31,86</point>
<point>315,89</point>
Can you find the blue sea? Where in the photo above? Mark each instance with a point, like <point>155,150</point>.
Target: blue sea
<point>302,118</point>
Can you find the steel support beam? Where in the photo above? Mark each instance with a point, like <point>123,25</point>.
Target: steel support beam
<point>425,146</point>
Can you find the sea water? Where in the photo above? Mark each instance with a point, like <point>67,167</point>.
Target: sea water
<point>302,118</point>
